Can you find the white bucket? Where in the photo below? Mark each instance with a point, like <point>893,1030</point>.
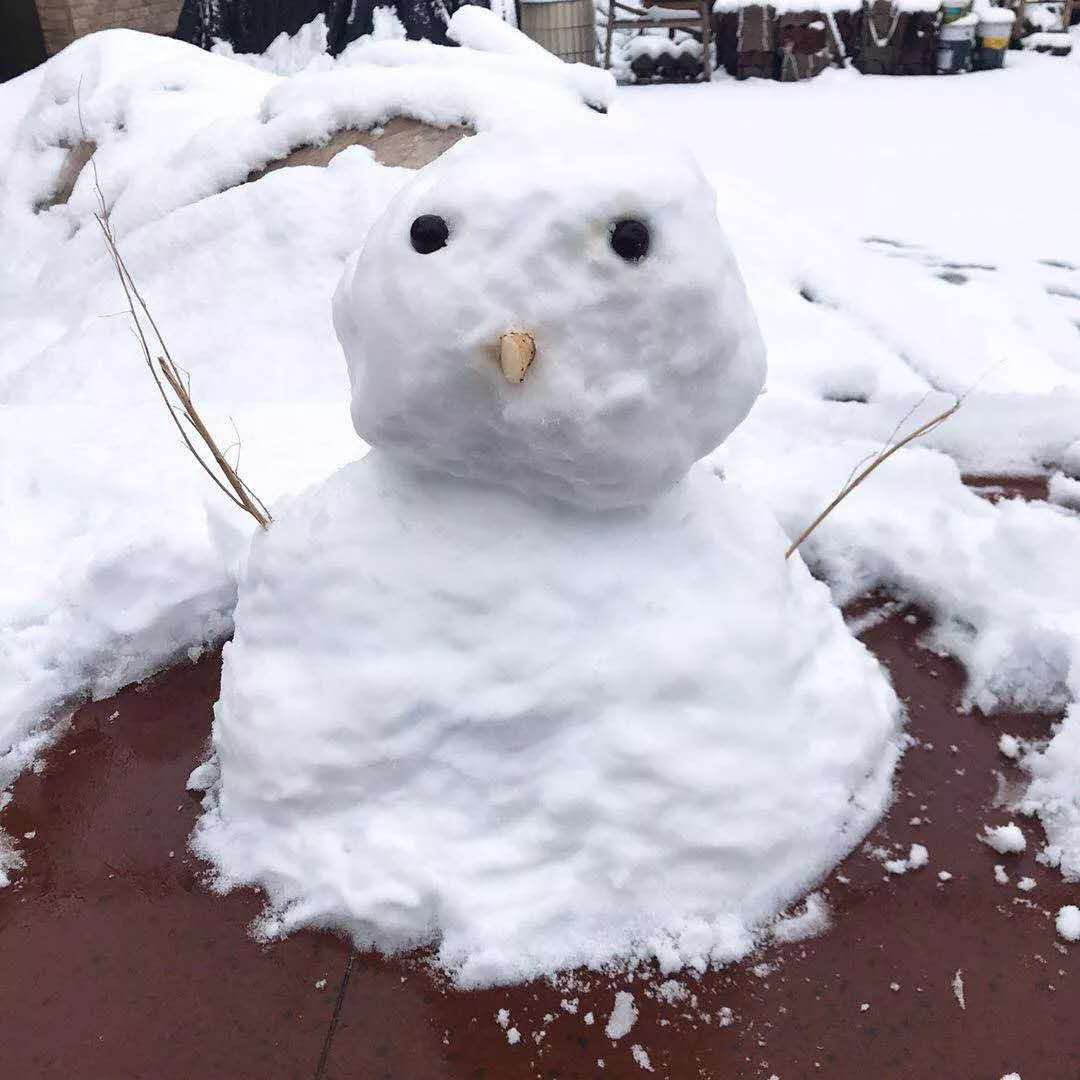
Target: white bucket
<point>957,31</point>
<point>994,32</point>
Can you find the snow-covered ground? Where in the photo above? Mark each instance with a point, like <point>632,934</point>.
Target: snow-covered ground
<point>904,241</point>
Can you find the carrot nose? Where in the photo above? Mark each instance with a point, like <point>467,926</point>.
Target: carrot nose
<point>517,351</point>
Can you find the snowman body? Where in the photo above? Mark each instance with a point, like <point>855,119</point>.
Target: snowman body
<point>521,683</point>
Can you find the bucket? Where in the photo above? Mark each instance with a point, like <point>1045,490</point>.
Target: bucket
<point>566,28</point>
<point>956,44</point>
<point>954,9</point>
<point>993,35</point>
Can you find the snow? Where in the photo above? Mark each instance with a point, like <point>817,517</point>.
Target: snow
<point>1047,39</point>
<point>126,592</point>
<point>579,776</point>
<point>1009,745</point>
<point>958,989</point>
<point>1068,922</point>
<point>666,721</point>
<point>859,225</point>
<point>623,1016</point>
<point>641,1056</point>
<point>812,921</point>
<point>290,54</point>
<point>917,858</point>
<point>1064,491</point>
<point>1005,839</point>
<point>641,367</point>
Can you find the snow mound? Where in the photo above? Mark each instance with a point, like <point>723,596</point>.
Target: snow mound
<point>465,707</point>
<point>538,736</point>
<point>142,550</point>
<point>642,366</point>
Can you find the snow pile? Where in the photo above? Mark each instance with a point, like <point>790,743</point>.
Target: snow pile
<point>535,787</point>
<point>1054,792</point>
<point>142,552</point>
<point>885,292</point>
<point>635,734</point>
<point>306,50</point>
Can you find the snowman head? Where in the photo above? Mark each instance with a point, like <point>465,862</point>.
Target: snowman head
<point>559,315</point>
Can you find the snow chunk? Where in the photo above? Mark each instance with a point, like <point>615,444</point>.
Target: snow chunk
<point>812,921</point>
<point>1068,922</point>
<point>1005,839</point>
<point>672,991</point>
<point>958,988</point>
<point>1000,876</point>
<point>623,1016</point>
<point>203,777</point>
<point>513,1036</point>
<point>1009,745</point>
<point>917,858</point>
<point>1026,884</point>
<point>1064,491</point>
<point>10,859</point>
<point>641,1057</point>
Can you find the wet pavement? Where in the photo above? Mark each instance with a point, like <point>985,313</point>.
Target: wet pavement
<point>116,962</point>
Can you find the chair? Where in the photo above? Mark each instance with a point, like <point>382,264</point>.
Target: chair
<point>693,15</point>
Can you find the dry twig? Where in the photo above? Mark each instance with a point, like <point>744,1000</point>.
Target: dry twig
<point>884,455</point>
<point>179,402</point>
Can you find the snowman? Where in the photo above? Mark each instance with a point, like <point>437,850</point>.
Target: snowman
<point>526,685</point>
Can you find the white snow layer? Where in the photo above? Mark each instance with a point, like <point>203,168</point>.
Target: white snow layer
<point>467,701</point>
<point>641,367</point>
<point>842,242</point>
<point>542,736</point>
<point>141,551</point>
<point>1068,922</point>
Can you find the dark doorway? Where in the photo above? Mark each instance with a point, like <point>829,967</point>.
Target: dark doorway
<point>21,44</point>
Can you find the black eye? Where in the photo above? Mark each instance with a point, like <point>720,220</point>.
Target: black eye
<point>630,239</point>
<point>429,233</point>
